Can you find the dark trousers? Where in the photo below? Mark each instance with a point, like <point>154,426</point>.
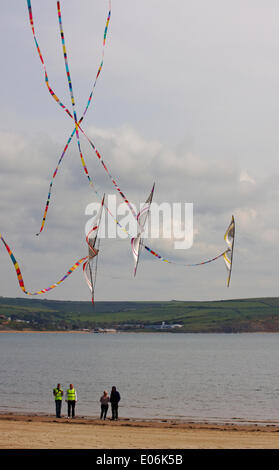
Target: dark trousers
<point>114,410</point>
<point>58,405</point>
<point>104,410</point>
<point>71,408</point>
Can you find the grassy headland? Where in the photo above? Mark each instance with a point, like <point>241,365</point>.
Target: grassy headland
<point>224,316</point>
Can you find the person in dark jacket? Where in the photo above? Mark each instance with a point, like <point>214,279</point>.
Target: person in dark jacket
<point>114,400</point>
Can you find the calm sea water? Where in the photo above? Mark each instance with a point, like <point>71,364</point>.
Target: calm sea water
<point>215,377</point>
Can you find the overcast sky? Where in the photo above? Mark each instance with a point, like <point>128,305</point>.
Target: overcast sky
<point>188,97</point>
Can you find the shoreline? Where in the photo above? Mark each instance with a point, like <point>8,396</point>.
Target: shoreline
<point>38,431</point>
<point>141,331</point>
<point>185,422</point>
<point>46,331</point>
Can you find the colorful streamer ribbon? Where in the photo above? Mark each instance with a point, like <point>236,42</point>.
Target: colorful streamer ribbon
<point>92,252</point>
<point>157,255</point>
<point>20,278</point>
<point>77,124</point>
<point>70,85</point>
<point>82,117</point>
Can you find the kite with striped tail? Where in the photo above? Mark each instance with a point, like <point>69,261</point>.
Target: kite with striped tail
<point>86,260</point>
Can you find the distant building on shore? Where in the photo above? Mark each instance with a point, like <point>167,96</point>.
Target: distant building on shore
<point>105,330</point>
<point>164,326</point>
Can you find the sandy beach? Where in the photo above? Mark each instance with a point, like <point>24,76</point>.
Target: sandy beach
<point>40,432</point>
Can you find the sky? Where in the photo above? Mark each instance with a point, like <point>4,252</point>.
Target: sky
<point>187,98</point>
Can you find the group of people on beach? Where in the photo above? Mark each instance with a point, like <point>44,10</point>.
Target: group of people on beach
<point>71,399</point>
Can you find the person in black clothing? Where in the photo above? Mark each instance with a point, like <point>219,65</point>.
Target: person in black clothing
<point>114,400</point>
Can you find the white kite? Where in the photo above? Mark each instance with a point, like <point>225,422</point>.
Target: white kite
<point>142,216</point>
<point>228,255</point>
<point>90,266</point>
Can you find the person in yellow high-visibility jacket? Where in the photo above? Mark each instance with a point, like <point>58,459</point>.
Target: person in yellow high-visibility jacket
<point>71,400</point>
<point>58,394</point>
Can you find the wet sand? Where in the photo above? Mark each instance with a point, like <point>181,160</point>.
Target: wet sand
<point>48,432</point>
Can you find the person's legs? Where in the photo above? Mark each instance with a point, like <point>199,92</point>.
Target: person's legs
<point>73,408</point>
<point>114,410</point>
<point>58,404</point>
<point>105,411</point>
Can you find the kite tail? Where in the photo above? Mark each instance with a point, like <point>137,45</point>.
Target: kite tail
<point>19,275</point>
<point>101,64</point>
<point>77,124</point>
<point>75,116</point>
<point>64,107</point>
<point>157,255</point>
<point>55,97</point>
<point>51,183</point>
<point>71,90</point>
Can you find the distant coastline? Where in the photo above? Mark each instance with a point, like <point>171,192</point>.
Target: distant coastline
<point>221,316</point>
<point>79,331</point>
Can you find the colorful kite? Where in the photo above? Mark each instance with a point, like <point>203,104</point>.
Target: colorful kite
<point>93,252</point>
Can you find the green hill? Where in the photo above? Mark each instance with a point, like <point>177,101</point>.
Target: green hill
<point>227,316</point>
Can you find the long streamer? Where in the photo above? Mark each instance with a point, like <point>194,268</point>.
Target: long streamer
<point>68,112</point>
<point>80,120</point>
<point>70,84</point>
<point>157,255</point>
<point>20,278</point>
<point>73,105</point>
<point>55,97</point>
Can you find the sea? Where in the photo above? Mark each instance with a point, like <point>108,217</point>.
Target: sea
<point>217,378</point>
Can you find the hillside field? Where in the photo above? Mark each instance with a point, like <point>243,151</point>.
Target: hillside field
<point>230,316</point>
